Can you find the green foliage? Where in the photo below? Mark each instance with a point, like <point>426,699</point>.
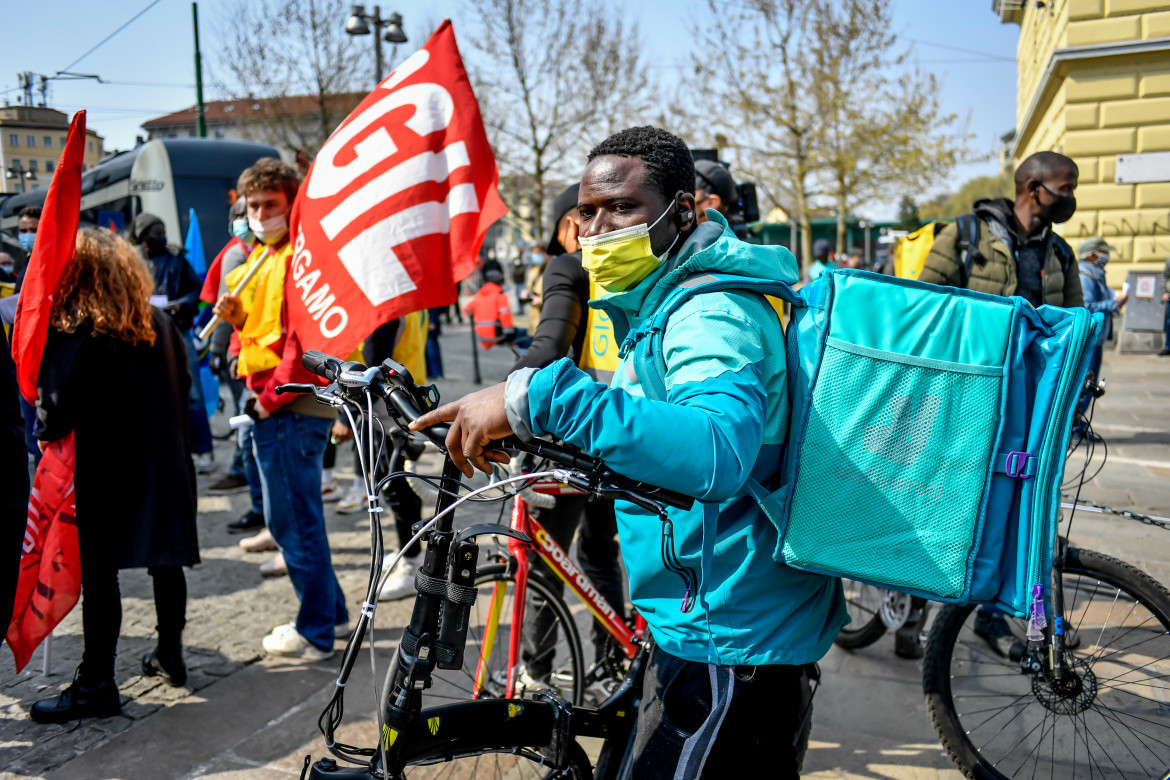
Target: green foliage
<point>951,205</point>
<point>908,218</point>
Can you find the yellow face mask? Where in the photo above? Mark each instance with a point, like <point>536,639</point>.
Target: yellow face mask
<point>620,259</point>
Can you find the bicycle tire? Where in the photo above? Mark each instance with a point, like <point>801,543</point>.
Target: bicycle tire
<point>866,626</point>
<point>513,766</point>
<point>569,674</point>
<point>1082,731</point>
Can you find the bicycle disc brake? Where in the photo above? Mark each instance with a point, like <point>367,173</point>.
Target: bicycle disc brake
<point>895,609</point>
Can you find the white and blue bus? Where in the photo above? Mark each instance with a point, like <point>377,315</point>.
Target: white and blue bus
<point>166,177</point>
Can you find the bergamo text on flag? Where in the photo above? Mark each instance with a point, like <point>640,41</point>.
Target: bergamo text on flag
<point>396,205</point>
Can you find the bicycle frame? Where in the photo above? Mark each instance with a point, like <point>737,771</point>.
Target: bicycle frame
<point>568,572</point>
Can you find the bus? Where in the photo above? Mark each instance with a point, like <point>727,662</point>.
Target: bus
<point>167,177</point>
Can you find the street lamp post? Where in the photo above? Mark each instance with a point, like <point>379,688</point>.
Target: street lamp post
<point>866,225</point>
<point>359,23</point>
<point>18,173</point>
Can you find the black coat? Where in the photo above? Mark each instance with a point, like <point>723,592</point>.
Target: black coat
<point>564,313</point>
<point>14,495</point>
<point>176,279</point>
<point>127,406</point>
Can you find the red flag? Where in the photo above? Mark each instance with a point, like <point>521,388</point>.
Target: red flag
<point>50,563</point>
<point>210,291</point>
<point>393,212</point>
<point>52,251</point>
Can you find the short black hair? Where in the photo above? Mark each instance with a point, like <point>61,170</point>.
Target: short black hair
<point>1041,166</point>
<point>32,212</point>
<point>668,162</point>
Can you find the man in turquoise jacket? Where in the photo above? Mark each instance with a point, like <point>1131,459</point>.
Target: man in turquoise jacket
<point>726,681</point>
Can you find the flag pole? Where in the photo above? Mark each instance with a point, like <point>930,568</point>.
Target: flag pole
<point>211,323</point>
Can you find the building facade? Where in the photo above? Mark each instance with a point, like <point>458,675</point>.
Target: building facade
<point>288,123</point>
<point>1094,84</point>
<point>31,141</point>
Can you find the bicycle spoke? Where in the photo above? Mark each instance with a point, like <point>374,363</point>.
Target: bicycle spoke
<point>1122,739</point>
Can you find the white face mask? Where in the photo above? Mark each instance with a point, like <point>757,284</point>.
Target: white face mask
<point>270,230</point>
<point>7,268</point>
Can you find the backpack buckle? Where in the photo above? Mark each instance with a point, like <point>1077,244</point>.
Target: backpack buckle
<point>1016,464</point>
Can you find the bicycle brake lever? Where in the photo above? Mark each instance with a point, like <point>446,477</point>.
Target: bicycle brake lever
<point>494,529</point>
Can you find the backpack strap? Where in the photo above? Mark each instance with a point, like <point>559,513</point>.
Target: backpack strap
<point>645,342</point>
<point>968,246</point>
<point>1063,251</point>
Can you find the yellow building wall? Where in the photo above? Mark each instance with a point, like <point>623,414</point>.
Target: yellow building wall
<point>1094,109</point>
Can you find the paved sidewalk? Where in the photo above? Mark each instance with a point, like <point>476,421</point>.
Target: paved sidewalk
<point>246,716</point>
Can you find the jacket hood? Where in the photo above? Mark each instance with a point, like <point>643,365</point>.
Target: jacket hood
<point>712,247</point>
<point>997,209</point>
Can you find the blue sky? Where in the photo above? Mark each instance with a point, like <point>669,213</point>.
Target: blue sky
<point>151,62</point>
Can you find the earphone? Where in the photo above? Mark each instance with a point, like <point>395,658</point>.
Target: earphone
<point>683,215</point>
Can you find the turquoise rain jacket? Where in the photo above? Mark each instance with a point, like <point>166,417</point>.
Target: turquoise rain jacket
<point>726,419</point>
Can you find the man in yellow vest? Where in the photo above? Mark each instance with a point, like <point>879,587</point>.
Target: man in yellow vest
<point>290,431</point>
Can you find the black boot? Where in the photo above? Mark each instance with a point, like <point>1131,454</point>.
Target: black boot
<point>169,665</point>
<point>79,701</point>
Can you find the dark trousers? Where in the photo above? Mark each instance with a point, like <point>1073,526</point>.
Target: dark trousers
<point>597,552</point>
<point>404,502</point>
<point>1166,328</point>
<point>699,720</point>
<point>101,614</point>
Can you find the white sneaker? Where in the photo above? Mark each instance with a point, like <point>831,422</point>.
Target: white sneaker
<point>330,491</point>
<point>204,462</point>
<point>401,581</point>
<point>353,502</point>
<point>287,642</point>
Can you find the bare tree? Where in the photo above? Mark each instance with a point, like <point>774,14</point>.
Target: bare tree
<point>754,74</point>
<point>275,52</point>
<point>549,89</point>
<point>884,127</point>
<point>819,106</point>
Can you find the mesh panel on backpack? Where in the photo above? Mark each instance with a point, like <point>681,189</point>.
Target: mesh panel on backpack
<point>892,469</point>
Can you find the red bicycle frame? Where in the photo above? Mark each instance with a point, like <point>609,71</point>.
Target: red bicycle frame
<point>569,572</point>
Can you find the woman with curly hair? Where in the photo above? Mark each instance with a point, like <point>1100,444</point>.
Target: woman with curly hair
<point>114,373</point>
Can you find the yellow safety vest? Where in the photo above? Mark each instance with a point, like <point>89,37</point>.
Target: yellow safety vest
<point>599,353</point>
<point>263,299</point>
<point>411,348</point>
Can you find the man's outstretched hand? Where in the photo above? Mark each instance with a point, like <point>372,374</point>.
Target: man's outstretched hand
<point>476,421</point>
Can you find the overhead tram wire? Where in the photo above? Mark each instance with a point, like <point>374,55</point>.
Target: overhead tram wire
<point>103,41</point>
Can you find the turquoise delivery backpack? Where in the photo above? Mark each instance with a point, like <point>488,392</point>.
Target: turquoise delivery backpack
<point>928,432</point>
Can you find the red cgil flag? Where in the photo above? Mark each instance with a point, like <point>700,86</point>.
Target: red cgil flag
<point>49,582</point>
<point>396,205</point>
<point>52,251</point>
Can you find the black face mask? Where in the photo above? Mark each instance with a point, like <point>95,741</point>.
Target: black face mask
<point>1060,210</point>
<point>156,246</point>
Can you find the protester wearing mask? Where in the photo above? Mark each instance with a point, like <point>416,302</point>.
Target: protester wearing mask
<point>714,189</point>
<point>7,268</point>
<point>224,348</point>
<point>26,227</point>
<point>728,664</point>
<point>1094,254</point>
<point>176,281</point>
<point>103,335</point>
<point>26,233</point>
<point>291,431</point>
<point>1017,253</point>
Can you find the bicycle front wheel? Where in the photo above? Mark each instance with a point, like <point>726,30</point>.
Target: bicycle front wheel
<point>999,711</point>
<point>502,765</point>
<point>551,655</point>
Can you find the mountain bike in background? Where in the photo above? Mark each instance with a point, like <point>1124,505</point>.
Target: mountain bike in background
<point>1085,694</point>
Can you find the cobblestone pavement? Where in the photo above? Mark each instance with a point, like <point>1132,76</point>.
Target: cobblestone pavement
<point>243,715</point>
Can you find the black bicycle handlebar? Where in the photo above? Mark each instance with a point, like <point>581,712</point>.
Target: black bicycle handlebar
<point>395,386</point>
